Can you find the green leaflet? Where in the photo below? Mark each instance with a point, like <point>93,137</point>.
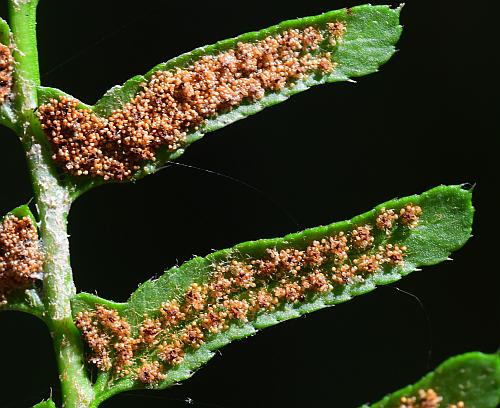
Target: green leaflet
<point>28,300</point>
<point>371,32</point>
<point>473,378</point>
<point>6,112</point>
<point>443,227</point>
<point>45,404</point>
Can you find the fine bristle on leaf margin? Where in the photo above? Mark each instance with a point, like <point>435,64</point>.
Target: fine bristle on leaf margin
<point>45,404</point>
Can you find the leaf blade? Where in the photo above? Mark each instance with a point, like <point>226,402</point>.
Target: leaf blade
<point>7,111</point>
<point>473,378</point>
<point>367,43</point>
<point>446,210</point>
<point>29,298</point>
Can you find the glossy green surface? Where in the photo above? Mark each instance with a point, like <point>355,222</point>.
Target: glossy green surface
<point>473,378</point>
<point>4,32</point>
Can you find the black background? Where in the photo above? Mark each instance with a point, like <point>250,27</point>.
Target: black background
<point>328,154</point>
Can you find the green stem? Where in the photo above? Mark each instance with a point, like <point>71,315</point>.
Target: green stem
<point>53,202</point>
<point>22,19</point>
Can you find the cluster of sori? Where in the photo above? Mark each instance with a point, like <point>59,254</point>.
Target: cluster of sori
<point>238,289</point>
<point>20,256</point>
<point>174,102</point>
<point>426,399</point>
<point>6,67</point>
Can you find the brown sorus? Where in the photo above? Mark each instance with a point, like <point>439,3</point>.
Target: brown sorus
<point>20,256</point>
